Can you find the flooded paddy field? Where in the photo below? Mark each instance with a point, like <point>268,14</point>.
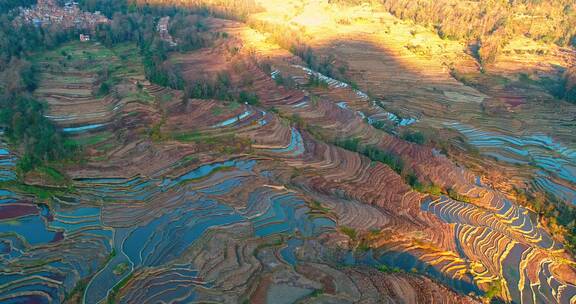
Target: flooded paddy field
<point>312,194</point>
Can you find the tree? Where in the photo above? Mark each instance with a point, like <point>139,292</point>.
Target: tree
<point>570,85</point>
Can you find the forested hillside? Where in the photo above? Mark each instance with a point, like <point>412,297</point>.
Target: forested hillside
<point>239,10</point>
<point>6,5</point>
<point>490,23</point>
<point>493,22</point>
<point>22,116</point>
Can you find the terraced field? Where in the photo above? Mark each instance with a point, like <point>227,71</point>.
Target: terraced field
<point>181,200</point>
<point>416,75</point>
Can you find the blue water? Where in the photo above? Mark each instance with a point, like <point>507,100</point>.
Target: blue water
<point>541,151</point>
<point>6,193</point>
<point>165,235</point>
<point>262,121</point>
<point>83,128</point>
<point>342,105</point>
<point>234,119</point>
<point>32,228</point>
<point>301,104</point>
<point>565,193</point>
<point>403,122</point>
<point>8,162</point>
<point>224,187</point>
<point>288,214</point>
<point>407,121</point>
<point>288,253</point>
<point>296,145</point>
<point>206,170</point>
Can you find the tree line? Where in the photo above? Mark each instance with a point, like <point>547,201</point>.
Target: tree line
<point>235,10</point>
<point>21,115</point>
<point>7,5</point>
<point>569,92</point>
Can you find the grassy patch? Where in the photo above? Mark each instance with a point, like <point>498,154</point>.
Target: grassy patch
<point>318,210</point>
<point>349,231</point>
<point>316,293</point>
<point>458,197</point>
<point>388,269</point>
<point>118,287</point>
<point>40,192</point>
<point>480,80</point>
<point>166,97</point>
<point>194,136</point>
<point>270,244</point>
<point>494,290</point>
<point>414,136</point>
<point>232,106</point>
<point>77,291</point>
<point>140,96</point>
<point>216,111</point>
<point>55,176</point>
<point>95,139</point>
<point>120,269</point>
<point>106,147</point>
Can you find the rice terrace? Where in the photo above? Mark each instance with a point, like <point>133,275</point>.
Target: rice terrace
<point>287,151</point>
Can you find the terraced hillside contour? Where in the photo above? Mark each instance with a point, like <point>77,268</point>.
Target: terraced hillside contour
<point>309,194</point>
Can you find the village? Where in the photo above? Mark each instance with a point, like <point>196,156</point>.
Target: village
<point>47,13</point>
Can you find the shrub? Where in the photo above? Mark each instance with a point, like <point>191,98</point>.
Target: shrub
<point>249,98</point>
<point>457,196</point>
<point>372,152</point>
<point>415,137</point>
<point>349,231</point>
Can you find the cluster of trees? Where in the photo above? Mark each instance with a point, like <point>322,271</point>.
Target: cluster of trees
<point>492,22</point>
<point>106,7</point>
<point>220,88</point>
<point>416,137</point>
<point>25,125</point>
<point>236,10</point>
<point>136,22</point>
<point>7,5</point>
<point>396,163</point>
<point>315,82</point>
<point>569,91</point>
<point>390,159</point>
<point>190,31</point>
<point>21,115</point>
